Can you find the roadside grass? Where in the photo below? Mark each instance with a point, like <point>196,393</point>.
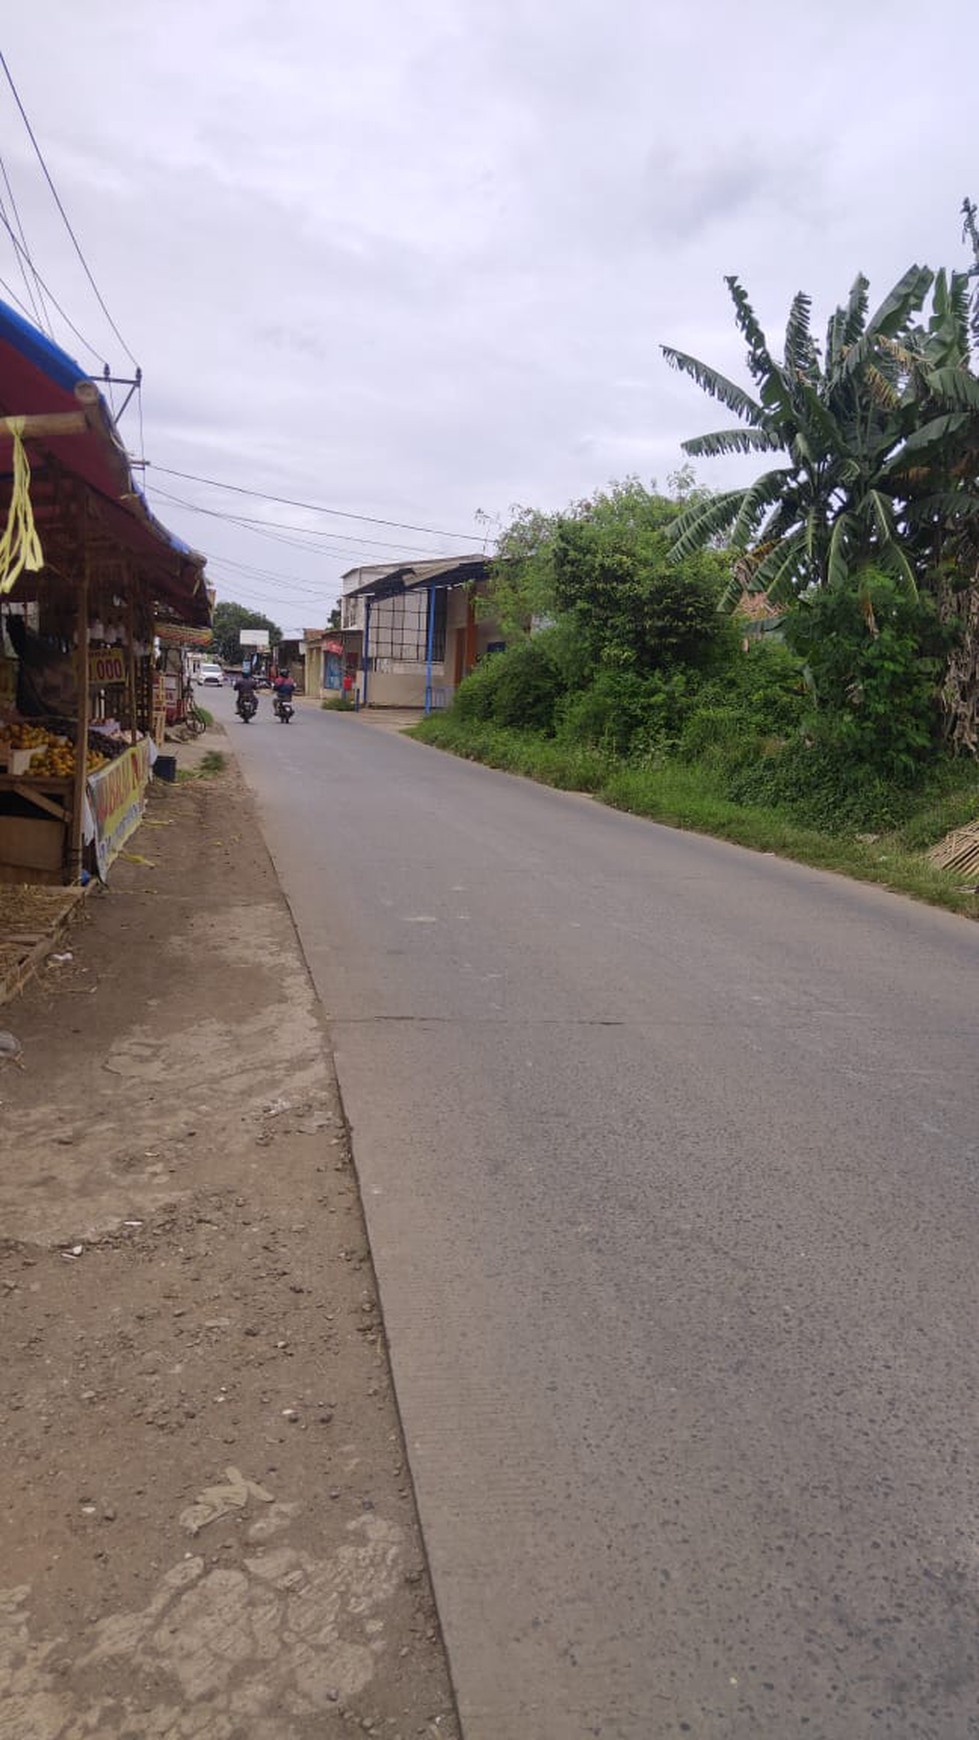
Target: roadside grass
<point>211,763</point>
<point>205,715</point>
<point>686,795</point>
<point>339,704</point>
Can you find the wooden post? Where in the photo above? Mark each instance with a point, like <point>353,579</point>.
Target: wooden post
<point>131,666</point>
<point>76,845</point>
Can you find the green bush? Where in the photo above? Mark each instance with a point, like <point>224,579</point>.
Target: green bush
<point>819,786</point>
<point>718,735</point>
<point>747,710</point>
<point>573,767</point>
<point>723,719</point>
<point>475,697</point>
<point>687,795</point>
<point>631,601</point>
<point>625,714</point>
<point>874,653</point>
<point>518,687</point>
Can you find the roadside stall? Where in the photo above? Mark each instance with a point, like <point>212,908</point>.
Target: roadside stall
<point>87,574</point>
<point>180,648</point>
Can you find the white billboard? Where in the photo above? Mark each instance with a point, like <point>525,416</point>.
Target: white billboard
<point>256,637</point>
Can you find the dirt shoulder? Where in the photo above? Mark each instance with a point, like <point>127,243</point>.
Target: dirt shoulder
<point>208,1530</point>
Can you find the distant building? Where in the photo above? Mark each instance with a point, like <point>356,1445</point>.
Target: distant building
<point>410,631</point>
<point>323,660</point>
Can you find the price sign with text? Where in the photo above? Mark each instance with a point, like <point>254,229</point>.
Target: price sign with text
<point>106,665</point>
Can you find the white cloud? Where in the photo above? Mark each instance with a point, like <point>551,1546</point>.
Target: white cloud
<point>418,258</point>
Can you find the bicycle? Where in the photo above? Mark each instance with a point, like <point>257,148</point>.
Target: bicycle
<point>193,719</point>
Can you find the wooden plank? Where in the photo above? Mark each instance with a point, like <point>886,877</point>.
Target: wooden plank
<point>959,850</point>
<point>38,798</point>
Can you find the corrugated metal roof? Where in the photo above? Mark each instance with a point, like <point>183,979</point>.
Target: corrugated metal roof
<point>396,577</point>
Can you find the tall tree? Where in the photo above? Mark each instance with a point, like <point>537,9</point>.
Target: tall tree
<point>229,619</point>
<point>880,434</point>
<point>837,420</point>
<point>603,567</point>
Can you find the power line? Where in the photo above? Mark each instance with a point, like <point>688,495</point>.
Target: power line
<point>36,299</point>
<point>313,507</point>
<point>259,530</point>
<point>52,298</point>
<point>250,593</point>
<point>291,599</point>
<point>267,577</point>
<point>57,200</point>
<point>346,548</point>
<point>254,589</point>
<point>274,529</point>
<point>267,574</point>
<point>11,292</point>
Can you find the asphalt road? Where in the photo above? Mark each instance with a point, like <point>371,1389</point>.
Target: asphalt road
<point>669,1155</point>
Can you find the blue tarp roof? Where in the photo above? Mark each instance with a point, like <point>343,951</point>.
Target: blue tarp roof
<point>37,376</point>
<point>40,350</point>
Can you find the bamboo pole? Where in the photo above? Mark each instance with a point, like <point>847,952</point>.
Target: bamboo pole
<point>130,637</point>
<point>76,845</point>
<point>44,425</point>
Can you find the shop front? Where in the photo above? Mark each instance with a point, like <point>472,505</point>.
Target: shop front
<point>87,577</point>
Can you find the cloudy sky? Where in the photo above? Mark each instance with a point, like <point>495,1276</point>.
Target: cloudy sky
<point>414,259</point>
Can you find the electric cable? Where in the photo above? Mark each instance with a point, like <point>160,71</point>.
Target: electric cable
<point>36,295</point>
<point>57,200</point>
<point>312,506</point>
<point>52,298</point>
<point>262,577</point>
<point>253,594</point>
<point>266,574</point>
<point>15,299</point>
<point>348,549</point>
<point>273,529</point>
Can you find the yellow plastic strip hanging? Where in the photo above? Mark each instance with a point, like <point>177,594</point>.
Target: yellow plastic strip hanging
<point>20,546</point>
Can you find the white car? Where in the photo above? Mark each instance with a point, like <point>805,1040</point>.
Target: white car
<point>211,674</point>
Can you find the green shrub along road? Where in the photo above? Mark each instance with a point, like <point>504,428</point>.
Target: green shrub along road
<point>690,795</point>
<point>793,663</point>
<point>830,753</point>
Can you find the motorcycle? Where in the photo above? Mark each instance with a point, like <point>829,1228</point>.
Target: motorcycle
<point>247,708</point>
<point>283,709</point>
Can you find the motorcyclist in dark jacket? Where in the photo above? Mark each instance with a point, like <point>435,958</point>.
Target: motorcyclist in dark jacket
<point>245,686</point>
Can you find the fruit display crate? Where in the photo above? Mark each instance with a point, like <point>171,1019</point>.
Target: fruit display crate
<point>35,810</point>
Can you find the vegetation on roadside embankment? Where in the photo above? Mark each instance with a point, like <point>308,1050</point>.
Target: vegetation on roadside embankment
<point>687,796</point>
<point>212,763</point>
<point>792,664</point>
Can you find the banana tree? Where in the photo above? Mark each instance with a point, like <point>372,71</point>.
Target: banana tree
<point>938,478</point>
<point>879,436</point>
<point>837,418</point>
